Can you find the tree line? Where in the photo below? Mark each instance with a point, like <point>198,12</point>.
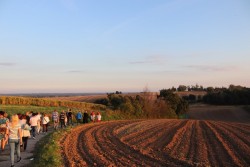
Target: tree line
<point>147,104</point>
<point>169,104</point>
<point>181,88</point>
<point>11,100</point>
<point>233,95</point>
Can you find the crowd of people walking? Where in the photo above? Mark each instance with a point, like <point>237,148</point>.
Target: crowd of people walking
<point>19,128</point>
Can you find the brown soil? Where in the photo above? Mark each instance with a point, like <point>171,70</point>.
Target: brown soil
<point>219,113</point>
<point>161,142</point>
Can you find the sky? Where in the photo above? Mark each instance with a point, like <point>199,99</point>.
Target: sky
<point>84,46</point>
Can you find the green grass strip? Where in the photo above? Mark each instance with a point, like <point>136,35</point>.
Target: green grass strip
<point>48,151</point>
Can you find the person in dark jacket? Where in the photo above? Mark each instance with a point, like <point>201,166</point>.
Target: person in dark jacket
<point>62,119</point>
<point>69,117</point>
<point>85,117</point>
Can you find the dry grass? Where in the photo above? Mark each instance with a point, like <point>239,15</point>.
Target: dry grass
<point>219,113</point>
<point>92,98</point>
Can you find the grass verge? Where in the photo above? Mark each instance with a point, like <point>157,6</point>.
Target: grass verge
<point>48,151</point>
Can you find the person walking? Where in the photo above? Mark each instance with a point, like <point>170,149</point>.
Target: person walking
<point>45,122</point>
<point>98,116</point>
<point>79,117</point>
<point>55,118</point>
<point>65,119</point>
<point>62,119</point>
<point>3,130</point>
<point>92,116</point>
<point>69,117</point>
<point>15,138</point>
<point>33,123</point>
<point>28,115</point>
<point>38,129</point>
<point>25,131</point>
<point>85,117</point>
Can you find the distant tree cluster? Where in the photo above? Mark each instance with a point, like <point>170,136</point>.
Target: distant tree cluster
<point>127,104</point>
<point>191,98</point>
<point>233,95</point>
<point>178,104</point>
<point>196,88</point>
<point>147,104</point>
<point>182,88</point>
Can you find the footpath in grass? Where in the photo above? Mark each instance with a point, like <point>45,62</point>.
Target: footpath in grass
<point>40,152</point>
<point>27,156</point>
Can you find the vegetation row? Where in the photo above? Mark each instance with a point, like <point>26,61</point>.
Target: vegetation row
<point>233,95</point>
<point>147,105</point>
<point>12,100</point>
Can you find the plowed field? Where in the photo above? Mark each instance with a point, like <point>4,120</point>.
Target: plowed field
<point>160,142</point>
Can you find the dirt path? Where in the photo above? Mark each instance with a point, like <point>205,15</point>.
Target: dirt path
<point>26,155</point>
<point>161,142</point>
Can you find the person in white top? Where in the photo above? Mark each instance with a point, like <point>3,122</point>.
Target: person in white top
<point>45,122</point>
<point>92,116</point>
<point>38,128</point>
<point>98,117</point>
<point>33,123</point>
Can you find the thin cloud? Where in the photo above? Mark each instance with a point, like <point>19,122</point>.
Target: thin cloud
<point>7,64</point>
<point>139,62</point>
<point>75,71</point>
<point>170,71</point>
<point>210,68</point>
<point>153,59</point>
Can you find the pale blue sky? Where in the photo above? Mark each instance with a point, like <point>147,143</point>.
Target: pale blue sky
<point>125,45</point>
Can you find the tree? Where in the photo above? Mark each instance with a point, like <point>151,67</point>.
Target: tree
<point>117,92</point>
<point>115,100</point>
<point>182,88</point>
<point>173,89</point>
<point>210,89</point>
<point>178,104</point>
<point>182,107</point>
<point>103,101</point>
<point>165,93</point>
<point>192,98</point>
<point>233,95</point>
<point>127,107</point>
